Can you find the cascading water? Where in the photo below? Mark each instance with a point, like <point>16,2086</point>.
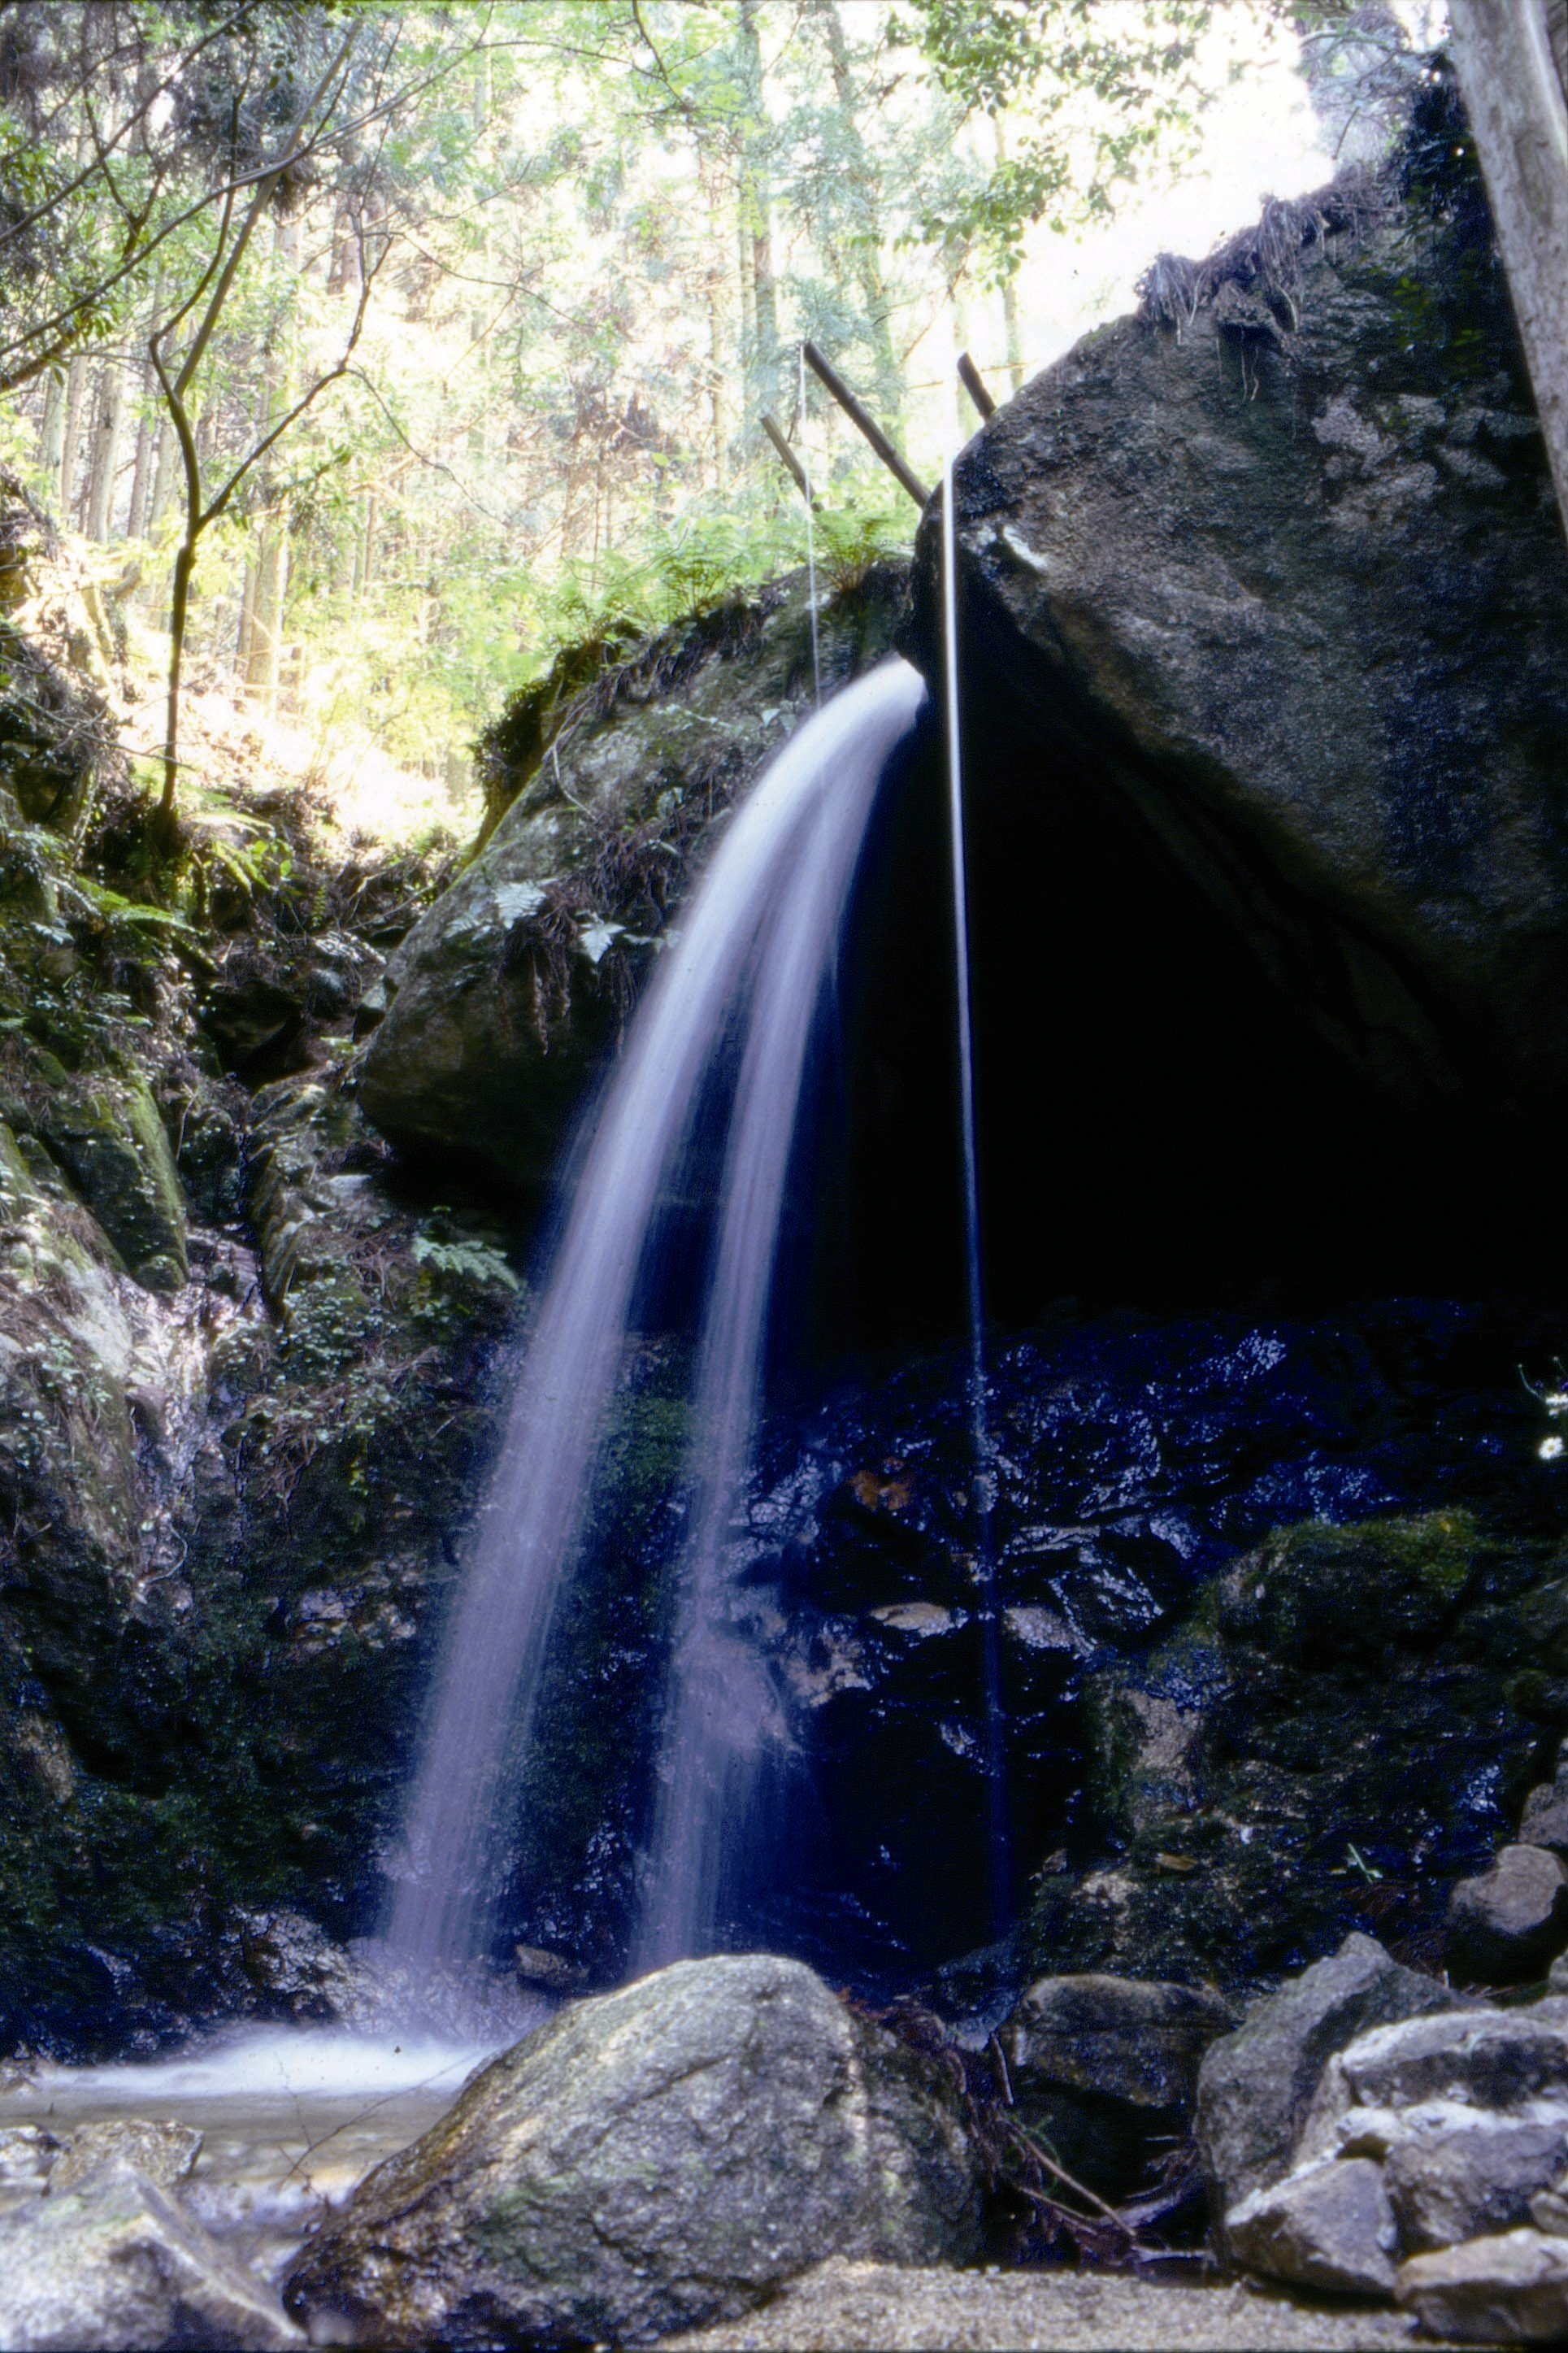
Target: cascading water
<point>748,962</point>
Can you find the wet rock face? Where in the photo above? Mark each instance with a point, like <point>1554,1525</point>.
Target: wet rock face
<point>1274,572</point>
<point>508,996</point>
<point>660,2156</point>
<point>1224,1748</point>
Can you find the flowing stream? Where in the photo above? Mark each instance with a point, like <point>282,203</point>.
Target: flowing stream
<point>737,990</point>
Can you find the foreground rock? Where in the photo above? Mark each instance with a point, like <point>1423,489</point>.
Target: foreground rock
<point>112,2264</point>
<point>662,2156</point>
<point>1256,2087</point>
<point>1106,2069</point>
<point>1439,2138</point>
<point>1287,575</point>
<point>1509,2290</point>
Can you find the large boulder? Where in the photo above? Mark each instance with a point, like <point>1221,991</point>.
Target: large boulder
<point>1273,569</point>
<point>657,2158</point>
<point>508,996</point>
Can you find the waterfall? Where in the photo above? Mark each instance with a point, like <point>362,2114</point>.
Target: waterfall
<point>741,980</point>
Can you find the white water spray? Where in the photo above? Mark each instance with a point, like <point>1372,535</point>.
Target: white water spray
<point>749,961</point>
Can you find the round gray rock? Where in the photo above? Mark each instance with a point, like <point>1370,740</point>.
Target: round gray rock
<point>1508,1922</point>
<point>651,2159</point>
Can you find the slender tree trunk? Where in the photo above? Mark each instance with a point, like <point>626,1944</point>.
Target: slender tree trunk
<point>146,428</point>
<point>367,546</point>
<point>105,452</point>
<point>163,477</point>
<point>141,476</point>
<point>1504,53</point>
<point>756,217</point>
<point>866,246</point>
<point>267,612</point>
<point>246,615</point>
<point>52,430</point>
<point>75,386</point>
<point>1012,328</point>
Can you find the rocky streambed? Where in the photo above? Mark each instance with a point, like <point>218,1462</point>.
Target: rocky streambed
<point>730,2137</point>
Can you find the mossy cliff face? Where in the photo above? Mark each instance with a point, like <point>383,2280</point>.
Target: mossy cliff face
<point>507,999</point>
<point>241,1417</point>
<point>1338,1735</point>
<point>1271,576</point>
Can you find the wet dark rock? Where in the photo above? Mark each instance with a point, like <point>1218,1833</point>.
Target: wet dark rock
<point>507,998</point>
<point>1545,1821</point>
<point>1206,1785</point>
<point>252,1016</point>
<point>659,2156</point>
<point>1257,2086</point>
<point>1506,1923</point>
<point>1106,2070</point>
<point>296,1971</point>
<point>1275,570</point>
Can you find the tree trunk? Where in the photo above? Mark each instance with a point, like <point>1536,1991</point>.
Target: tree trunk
<point>141,478</point>
<point>75,386</point>
<point>1514,94</point>
<point>1012,329</point>
<point>247,616</point>
<point>162,477</point>
<point>866,247</point>
<point>756,220</point>
<point>367,546</point>
<point>52,430</point>
<point>267,612</point>
<point>105,452</point>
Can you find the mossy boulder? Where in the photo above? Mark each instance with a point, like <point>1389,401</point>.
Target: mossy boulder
<point>505,1001</point>
<point>666,2155</point>
<point>109,1134</point>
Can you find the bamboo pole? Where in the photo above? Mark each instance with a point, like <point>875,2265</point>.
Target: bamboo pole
<point>974,386</point>
<point>791,462</point>
<point>866,423</point>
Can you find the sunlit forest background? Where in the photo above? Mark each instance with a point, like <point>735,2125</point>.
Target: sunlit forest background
<point>442,337</point>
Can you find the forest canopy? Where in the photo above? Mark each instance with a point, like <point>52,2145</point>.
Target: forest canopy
<point>386,350</point>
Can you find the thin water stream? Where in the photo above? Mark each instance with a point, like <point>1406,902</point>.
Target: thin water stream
<point>998,1827</point>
